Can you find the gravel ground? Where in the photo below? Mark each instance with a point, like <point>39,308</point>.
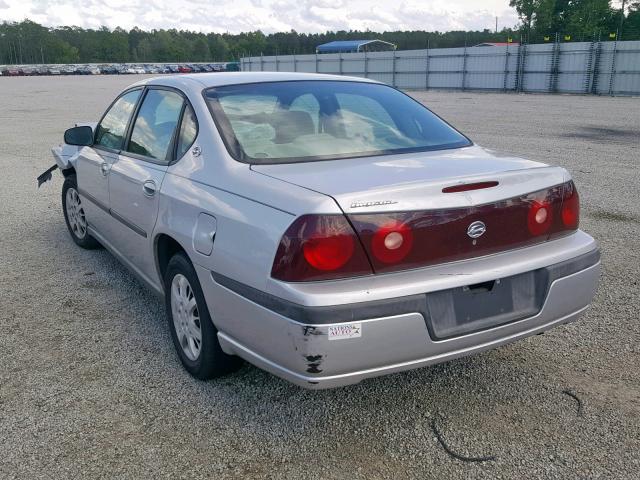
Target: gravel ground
<point>90,385</point>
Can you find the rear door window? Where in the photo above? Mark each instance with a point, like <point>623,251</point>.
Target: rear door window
<point>155,125</point>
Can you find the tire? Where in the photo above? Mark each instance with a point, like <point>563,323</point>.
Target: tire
<point>74,215</point>
<point>194,336</point>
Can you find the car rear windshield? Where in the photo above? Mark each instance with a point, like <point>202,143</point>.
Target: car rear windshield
<point>297,121</point>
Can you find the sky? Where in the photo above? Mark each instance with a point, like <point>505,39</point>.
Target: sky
<point>234,16</point>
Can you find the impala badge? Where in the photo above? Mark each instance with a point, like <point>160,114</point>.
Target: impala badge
<point>372,204</point>
<point>476,229</point>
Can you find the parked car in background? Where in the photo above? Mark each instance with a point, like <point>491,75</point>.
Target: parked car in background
<point>12,72</point>
<point>108,70</point>
<point>126,69</point>
<point>325,228</point>
<point>112,69</point>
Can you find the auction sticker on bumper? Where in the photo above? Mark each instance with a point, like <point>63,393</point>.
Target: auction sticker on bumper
<point>343,332</point>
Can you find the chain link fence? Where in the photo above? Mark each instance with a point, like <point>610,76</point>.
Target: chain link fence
<point>599,68</point>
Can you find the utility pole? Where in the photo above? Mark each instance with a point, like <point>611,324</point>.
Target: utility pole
<point>496,24</point>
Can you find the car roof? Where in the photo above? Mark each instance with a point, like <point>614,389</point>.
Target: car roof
<point>217,79</point>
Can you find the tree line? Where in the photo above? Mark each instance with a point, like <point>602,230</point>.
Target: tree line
<point>27,42</point>
<point>581,19</point>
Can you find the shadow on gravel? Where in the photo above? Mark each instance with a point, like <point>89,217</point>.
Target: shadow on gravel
<point>613,216</point>
<point>602,134</point>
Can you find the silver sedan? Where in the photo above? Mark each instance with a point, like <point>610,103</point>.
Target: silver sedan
<point>326,229</point>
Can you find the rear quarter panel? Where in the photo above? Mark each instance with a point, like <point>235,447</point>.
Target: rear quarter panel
<point>246,238</point>
<point>247,232</point>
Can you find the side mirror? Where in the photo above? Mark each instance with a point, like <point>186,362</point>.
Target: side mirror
<point>80,136</point>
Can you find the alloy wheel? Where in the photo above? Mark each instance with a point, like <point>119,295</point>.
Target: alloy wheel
<point>186,317</point>
<point>75,213</point>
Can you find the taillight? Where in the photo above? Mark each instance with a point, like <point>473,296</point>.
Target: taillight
<point>392,242</point>
<point>570,206</point>
<point>403,240</point>
<point>328,252</point>
<point>322,247</point>
<point>540,217</point>
<point>319,247</point>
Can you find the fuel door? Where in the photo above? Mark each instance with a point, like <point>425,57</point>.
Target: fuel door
<point>205,234</point>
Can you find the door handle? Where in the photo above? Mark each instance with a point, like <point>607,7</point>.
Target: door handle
<point>105,168</point>
<point>149,188</point>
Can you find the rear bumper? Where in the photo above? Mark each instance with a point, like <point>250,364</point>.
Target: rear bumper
<point>293,341</point>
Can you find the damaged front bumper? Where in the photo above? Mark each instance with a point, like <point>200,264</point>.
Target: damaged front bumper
<point>64,155</point>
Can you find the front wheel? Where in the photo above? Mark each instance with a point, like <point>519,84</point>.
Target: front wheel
<point>74,215</point>
<point>194,335</point>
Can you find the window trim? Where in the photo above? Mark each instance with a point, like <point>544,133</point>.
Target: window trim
<point>171,152</point>
<point>126,129</point>
<point>243,158</point>
<point>176,159</point>
<point>170,157</point>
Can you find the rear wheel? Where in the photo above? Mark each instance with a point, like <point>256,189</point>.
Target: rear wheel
<point>194,335</point>
<point>74,214</point>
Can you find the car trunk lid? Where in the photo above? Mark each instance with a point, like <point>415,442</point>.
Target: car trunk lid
<point>415,181</point>
<point>412,211</point>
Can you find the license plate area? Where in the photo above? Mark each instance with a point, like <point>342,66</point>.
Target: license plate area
<point>476,307</point>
